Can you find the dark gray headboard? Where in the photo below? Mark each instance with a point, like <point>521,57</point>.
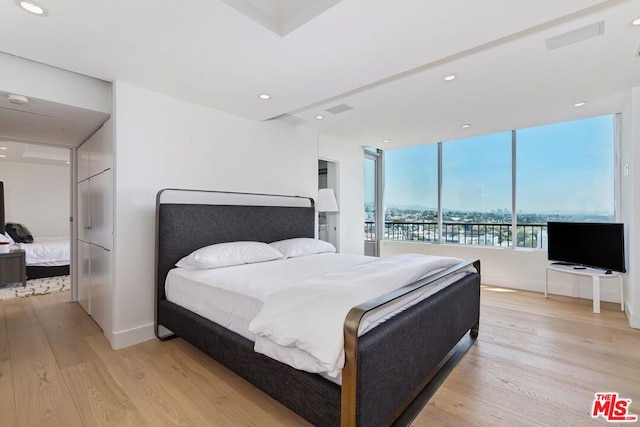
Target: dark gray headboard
<point>182,228</point>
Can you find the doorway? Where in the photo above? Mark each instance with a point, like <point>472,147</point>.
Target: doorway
<point>328,223</point>
<point>373,215</point>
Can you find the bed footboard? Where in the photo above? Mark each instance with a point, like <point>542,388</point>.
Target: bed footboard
<point>387,367</point>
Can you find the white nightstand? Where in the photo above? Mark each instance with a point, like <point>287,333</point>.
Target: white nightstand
<point>595,274</point>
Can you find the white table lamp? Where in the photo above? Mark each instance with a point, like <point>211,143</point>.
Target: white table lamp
<point>326,201</point>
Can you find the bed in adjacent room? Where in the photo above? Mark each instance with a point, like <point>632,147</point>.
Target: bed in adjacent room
<point>44,256</point>
<point>339,339</point>
<point>47,256</point>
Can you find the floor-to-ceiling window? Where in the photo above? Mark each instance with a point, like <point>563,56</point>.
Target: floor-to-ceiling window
<point>476,190</point>
<point>561,172</point>
<point>411,193</point>
<point>565,172</point>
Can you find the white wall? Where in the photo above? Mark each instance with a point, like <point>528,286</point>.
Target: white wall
<point>630,201</point>
<point>37,196</point>
<point>512,268</point>
<point>164,142</point>
<point>349,192</point>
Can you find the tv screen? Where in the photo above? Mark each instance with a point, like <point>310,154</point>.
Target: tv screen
<point>591,244</point>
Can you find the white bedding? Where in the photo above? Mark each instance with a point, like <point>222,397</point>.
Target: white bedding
<point>303,324</point>
<point>233,296</point>
<point>294,309</point>
<point>47,251</point>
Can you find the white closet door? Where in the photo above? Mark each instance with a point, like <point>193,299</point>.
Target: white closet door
<point>101,209</point>
<point>83,162</point>
<point>84,211</point>
<point>101,266</point>
<point>100,151</point>
<point>84,275</point>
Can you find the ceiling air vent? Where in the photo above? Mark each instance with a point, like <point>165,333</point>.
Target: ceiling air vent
<point>288,118</point>
<point>575,36</point>
<point>339,109</point>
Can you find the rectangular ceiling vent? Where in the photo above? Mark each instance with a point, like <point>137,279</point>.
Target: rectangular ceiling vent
<point>288,118</point>
<point>575,36</point>
<point>339,109</point>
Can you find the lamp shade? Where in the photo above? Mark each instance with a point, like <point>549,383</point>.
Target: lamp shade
<point>326,200</point>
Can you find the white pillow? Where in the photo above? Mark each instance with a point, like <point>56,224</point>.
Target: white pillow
<point>4,238</point>
<point>228,254</point>
<point>302,246</point>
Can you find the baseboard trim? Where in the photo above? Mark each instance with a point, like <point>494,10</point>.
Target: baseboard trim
<point>609,293</point>
<point>131,337</point>
<point>634,318</point>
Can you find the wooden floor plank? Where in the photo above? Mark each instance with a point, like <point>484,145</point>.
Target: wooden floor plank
<point>217,391</point>
<point>153,396</point>
<point>84,325</point>
<point>7,400</point>
<point>41,394</point>
<point>99,398</point>
<point>65,340</point>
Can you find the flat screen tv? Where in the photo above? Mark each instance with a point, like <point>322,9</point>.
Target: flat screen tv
<point>589,244</point>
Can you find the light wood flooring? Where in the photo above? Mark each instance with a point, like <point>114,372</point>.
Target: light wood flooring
<point>536,362</point>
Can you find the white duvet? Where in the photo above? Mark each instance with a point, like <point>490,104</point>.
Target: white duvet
<point>47,251</point>
<point>302,325</point>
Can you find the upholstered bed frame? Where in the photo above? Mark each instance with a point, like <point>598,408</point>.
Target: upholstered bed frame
<point>389,372</point>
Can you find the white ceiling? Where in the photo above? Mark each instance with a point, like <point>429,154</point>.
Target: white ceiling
<point>385,59</point>
<point>41,154</point>
<point>47,122</point>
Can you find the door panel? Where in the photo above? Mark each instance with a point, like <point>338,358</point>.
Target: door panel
<point>84,275</point>
<point>100,211</point>
<point>100,283</point>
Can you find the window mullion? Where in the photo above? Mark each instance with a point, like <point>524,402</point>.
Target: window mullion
<point>514,215</point>
<point>440,234</point>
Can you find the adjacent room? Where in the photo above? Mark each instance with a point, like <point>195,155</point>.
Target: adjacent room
<point>34,176</point>
<point>320,212</point>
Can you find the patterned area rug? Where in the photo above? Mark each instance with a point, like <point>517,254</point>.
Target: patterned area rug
<point>46,285</point>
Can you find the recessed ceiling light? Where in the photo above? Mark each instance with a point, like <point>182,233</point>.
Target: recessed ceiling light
<point>466,125</point>
<point>264,96</point>
<point>449,77</point>
<point>319,117</point>
<point>3,155</point>
<point>3,148</point>
<point>635,21</point>
<point>386,140</point>
<point>67,162</point>
<point>579,104</point>
<point>32,7</point>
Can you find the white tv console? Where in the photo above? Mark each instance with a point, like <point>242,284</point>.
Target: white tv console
<point>595,274</point>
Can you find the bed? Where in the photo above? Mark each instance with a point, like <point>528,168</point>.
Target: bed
<point>44,256</point>
<point>47,257</point>
<point>389,372</point>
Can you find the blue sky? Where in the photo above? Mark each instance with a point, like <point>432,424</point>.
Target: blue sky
<point>564,167</point>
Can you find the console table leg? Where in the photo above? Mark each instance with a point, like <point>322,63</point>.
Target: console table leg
<point>546,283</point>
<point>596,294</point>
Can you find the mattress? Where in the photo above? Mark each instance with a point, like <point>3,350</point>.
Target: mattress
<point>233,296</point>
